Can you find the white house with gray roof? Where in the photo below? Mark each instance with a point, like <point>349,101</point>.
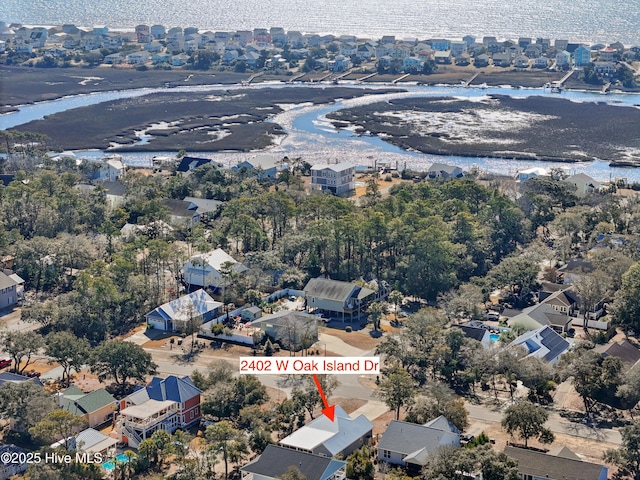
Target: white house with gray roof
<point>204,269</point>
<point>325,437</point>
<point>337,178</point>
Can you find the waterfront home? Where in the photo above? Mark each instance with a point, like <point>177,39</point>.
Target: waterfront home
<point>469,40</point>
<point>533,51</point>
<point>540,62</point>
<point>607,54</point>
<point>337,178</point>
<point>261,36</point>
<point>556,464</point>
<point>501,59</point>
<point>582,56</point>
<point>413,64</point>
<point>559,44</point>
<point>400,51</point>
<point>137,58</point>
<point>440,44</point>
<point>178,314</point>
<point>275,461</point>
<point>605,68</point>
<point>463,59</point>
<point>205,269</point>
<point>521,61</point>
<point>158,31</point>
<point>161,57</point>
<point>563,59</point>
<point>322,436</point>
<point>481,60</point>
<point>410,445</point>
<point>457,48</point>
<point>442,57</point>
<point>143,34</point>
<point>365,52</point>
<point>524,42</point>
<point>584,183</point>
<point>444,171</point>
<point>179,60</point>
<point>114,59</point>
<point>340,64</point>
<point>262,166</point>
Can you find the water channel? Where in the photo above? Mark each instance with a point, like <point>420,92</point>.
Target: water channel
<point>311,136</point>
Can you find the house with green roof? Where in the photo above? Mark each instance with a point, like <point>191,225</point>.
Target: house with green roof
<point>97,407</point>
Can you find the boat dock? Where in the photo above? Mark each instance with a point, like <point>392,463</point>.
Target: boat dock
<point>366,77</point>
<point>399,79</point>
<point>558,85</point>
<point>252,78</point>
<point>296,77</point>
<point>468,82</point>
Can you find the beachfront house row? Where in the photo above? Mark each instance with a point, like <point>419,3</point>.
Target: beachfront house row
<point>444,171</point>
<point>207,269</point>
<point>582,56</point>
<point>337,178</point>
<point>335,298</point>
<point>182,313</point>
<point>563,58</point>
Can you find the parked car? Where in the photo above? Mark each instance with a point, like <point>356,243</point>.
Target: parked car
<point>5,362</point>
<point>32,373</point>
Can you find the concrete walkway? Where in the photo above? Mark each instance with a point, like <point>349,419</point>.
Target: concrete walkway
<point>339,347</point>
<point>372,410</point>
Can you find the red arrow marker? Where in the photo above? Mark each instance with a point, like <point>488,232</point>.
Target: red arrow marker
<point>328,411</point>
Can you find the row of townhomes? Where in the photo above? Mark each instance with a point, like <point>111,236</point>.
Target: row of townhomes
<point>277,49</point>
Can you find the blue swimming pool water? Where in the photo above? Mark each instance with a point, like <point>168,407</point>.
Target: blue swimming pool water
<point>110,465</point>
<point>494,337</point>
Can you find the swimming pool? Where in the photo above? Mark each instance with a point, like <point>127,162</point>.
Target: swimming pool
<point>494,337</point>
<point>110,465</point>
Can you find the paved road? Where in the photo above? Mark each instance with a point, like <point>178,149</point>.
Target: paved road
<point>556,424</point>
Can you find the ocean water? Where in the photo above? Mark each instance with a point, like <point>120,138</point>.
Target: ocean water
<point>578,20</point>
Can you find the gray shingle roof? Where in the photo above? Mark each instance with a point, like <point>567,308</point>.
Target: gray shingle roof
<point>540,464</point>
<point>409,439</point>
<point>475,333</point>
<point>275,460</point>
